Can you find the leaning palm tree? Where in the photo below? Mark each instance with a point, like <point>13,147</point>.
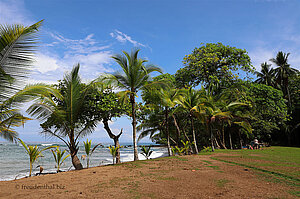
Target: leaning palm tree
<point>266,76</point>
<point>135,76</point>
<point>188,100</point>
<point>67,117</point>
<point>283,72</point>
<point>17,45</point>
<point>163,98</point>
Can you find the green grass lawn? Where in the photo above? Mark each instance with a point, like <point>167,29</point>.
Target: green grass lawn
<point>273,164</point>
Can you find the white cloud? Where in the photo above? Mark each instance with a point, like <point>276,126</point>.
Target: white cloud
<point>45,63</point>
<point>74,46</point>
<point>93,57</point>
<point>12,12</point>
<point>123,38</point>
<point>294,60</point>
<point>260,55</point>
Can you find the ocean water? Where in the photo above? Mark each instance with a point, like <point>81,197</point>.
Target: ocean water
<point>14,161</point>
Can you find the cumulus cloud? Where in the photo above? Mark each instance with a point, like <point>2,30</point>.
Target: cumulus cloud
<point>45,63</point>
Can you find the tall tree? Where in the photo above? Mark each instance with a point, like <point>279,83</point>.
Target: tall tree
<point>67,117</point>
<point>17,46</point>
<point>162,98</point>
<point>135,76</point>
<point>283,73</point>
<point>266,76</point>
<point>188,100</point>
<point>105,105</point>
<point>212,64</point>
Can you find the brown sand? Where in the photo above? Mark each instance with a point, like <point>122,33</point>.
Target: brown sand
<point>180,177</point>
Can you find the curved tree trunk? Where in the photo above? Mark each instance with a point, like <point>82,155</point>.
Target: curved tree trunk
<point>135,151</point>
<point>194,137</point>
<point>76,162</point>
<point>114,137</point>
<point>73,151</point>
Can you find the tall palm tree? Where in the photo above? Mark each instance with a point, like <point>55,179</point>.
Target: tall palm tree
<point>17,45</point>
<point>67,117</point>
<point>283,72</point>
<point>266,76</point>
<point>135,76</point>
<point>164,98</point>
<point>188,100</point>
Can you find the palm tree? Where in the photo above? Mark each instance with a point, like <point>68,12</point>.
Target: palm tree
<point>135,76</point>
<point>283,72</point>
<point>17,45</point>
<point>113,151</point>
<point>58,157</point>
<point>67,117</point>
<point>188,100</point>
<point>266,76</point>
<point>89,151</point>
<point>162,98</point>
<point>34,153</point>
<point>146,151</point>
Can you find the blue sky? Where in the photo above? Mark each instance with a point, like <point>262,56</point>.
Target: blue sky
<point>90,32</point>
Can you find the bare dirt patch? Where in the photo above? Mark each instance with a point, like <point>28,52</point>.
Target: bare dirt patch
<point>176,177</point>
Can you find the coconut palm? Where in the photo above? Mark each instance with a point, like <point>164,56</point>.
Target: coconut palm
<point>89,151</point>
<point>283,72</point>
<point>163,98</point>
<point>67,118</point>
<point>17,45</point>
<point>34,153</point>
<point>58,157</point>
<point>146,151</point>
<point>113,151</point>
<point>266,76</point>
<point>189,99</point>
<point>135,76</point>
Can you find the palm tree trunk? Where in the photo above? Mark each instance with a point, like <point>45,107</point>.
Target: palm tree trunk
<point>76,162</point>
<point>30,170</point>
<point>211,138</point>
<point>168,132</point>
<point>223,136</point>
<point>178,130</point>
<point>135,151</point>
<point>289,100</point>
<point>194,137</point>
<point>230,141</point>
<point>73,151</point>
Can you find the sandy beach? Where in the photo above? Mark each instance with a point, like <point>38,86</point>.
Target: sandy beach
<point>194,176</point>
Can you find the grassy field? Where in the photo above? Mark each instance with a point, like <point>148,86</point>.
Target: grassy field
<point>271,164</point>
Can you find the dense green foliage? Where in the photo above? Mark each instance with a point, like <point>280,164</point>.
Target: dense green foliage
<point>269,109</point>
<point>213,64</point>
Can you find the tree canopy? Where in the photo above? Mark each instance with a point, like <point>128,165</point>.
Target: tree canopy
<point>212,63</point>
